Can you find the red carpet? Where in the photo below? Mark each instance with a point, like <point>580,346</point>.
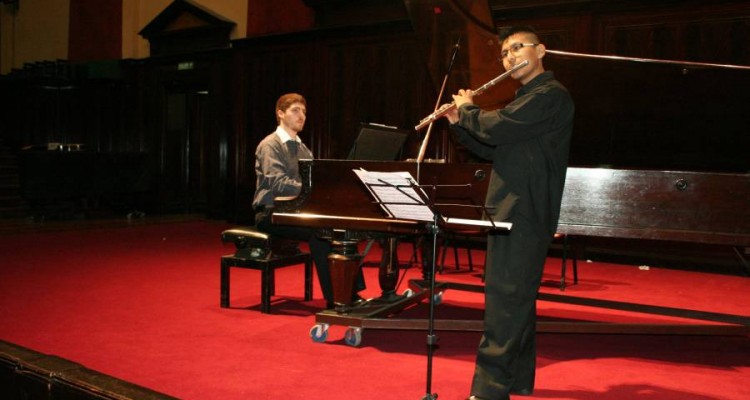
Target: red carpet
<point>141,303</point>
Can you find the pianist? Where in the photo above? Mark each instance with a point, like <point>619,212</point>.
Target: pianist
<point>277,176</point>
<point>528,143</point>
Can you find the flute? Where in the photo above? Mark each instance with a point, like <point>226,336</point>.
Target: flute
<point>444,109</point>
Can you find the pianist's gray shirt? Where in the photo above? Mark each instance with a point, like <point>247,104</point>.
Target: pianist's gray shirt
<point>277,167</point>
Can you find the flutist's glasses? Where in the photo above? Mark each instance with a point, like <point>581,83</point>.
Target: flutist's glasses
<point>515,48</point>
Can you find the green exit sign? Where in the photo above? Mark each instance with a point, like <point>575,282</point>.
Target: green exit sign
<point>183,66</point>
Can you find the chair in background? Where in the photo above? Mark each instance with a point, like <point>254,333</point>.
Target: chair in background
<point>477,240</point>
<point>462,239</point>
<point>568,250</point>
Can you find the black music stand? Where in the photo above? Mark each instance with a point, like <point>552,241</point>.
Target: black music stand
<point>377,142</point>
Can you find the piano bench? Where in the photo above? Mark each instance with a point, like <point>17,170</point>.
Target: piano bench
<point>260,251</point>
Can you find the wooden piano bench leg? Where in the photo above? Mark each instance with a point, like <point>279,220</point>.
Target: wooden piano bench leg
<point>267,268</point>
<point>258,250</point>
<point>224,282</point>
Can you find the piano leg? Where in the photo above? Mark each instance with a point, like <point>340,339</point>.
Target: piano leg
<point>343,263</point>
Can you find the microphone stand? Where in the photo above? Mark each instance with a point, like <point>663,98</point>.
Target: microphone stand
<point>423,147</point>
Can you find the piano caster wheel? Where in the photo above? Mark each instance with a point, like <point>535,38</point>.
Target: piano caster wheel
<point>408,293</point>
<point>353,336</point>
<point>319,333</point>
<point>437,298</point>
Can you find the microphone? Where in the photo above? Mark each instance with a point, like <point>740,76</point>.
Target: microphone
<point>455,51</point>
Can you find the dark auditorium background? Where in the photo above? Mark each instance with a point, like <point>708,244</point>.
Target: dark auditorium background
<point>164,102</point>
<point>114,111</point>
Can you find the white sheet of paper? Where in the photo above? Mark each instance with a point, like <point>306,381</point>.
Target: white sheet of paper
<point>394,192</point>
<point>477,222</point>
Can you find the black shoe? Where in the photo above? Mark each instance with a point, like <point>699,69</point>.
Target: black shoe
<point>357,300</point>
<point>522,392</point>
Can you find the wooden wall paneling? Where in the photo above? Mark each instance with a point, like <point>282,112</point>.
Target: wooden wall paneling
<point>375,73</point>
<point>100,125</point>
<point>89,114</point>
<point>183,123</point>
<point>708,33</point>
<point>35,117</point>
<point>272,72</point>
<point>689,117</point>
<point>130,109</point>
<point>220,131</point>
<point>378,79</point>
<point>268,68</point>
<point>646,115</point>
<point>177,105</point>
<point>11,113</point>
<point>148,126</point>
<point>42,116</point>
<point>57,102</point>
<point>418,95</point>
<point>134,109</point>
<point>236,206</point>
<point>362,88</point>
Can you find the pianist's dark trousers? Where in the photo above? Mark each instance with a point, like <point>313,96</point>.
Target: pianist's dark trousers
<point>506,358</point>
<point>319,249</point>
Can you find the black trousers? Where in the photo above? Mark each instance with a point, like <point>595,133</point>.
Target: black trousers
<point>506,358</point>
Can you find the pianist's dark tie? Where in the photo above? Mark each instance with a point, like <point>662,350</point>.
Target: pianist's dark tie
<point>291,145</point>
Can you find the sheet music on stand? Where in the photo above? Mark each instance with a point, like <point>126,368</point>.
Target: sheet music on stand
<point>395,194</point>
<point>400,197</point>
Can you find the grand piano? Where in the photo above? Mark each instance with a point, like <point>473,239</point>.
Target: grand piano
<point>334,201</point>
